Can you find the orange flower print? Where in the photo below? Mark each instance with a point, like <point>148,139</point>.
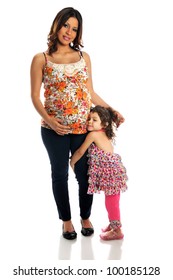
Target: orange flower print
<point>69,104</point>
<point>79,94</point>
<point>75,125</point>
<point>68,111</point>
<point>49,70</point>
<point>66,94</point>
<point>61,86</point>
<point>84,95</point>
<point>75,111</point>
<point>47,93</point>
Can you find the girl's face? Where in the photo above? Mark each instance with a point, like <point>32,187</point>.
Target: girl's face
<point>68,31</point>
<point>94,122</point>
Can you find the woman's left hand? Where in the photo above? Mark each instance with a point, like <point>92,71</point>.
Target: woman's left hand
<point>120,118</point>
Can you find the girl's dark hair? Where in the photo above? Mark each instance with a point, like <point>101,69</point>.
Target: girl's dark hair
<point>109,119</point>
<point>58,22</point>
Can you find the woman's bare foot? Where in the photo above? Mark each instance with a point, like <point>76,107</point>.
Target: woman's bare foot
<point>68,226</point>
<point>86,223</point>
<point>87,227</point>
<point>68,231</point>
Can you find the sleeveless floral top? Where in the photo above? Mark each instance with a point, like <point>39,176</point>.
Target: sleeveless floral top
<point>106,172</point>
<point>66,94</point>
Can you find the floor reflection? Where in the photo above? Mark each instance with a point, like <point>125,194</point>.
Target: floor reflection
<point>89,248</point>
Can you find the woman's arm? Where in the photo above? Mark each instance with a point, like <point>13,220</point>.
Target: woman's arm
<point>82,149</point>
<point>36,73</point>
<point>95,98</point>
<point>36,82</point>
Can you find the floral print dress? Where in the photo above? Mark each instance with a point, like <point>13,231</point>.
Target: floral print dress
<point>106,172</point>
<point>66,94</point>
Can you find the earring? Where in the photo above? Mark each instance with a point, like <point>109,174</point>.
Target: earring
<point>71,45</point>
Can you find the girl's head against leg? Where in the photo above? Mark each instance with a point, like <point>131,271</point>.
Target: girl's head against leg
<point>102,118</point>
<point>94,122</point>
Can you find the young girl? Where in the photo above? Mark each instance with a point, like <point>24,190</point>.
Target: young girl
<point>106,171</point>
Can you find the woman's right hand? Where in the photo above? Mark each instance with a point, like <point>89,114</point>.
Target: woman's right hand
<point>59,128</point>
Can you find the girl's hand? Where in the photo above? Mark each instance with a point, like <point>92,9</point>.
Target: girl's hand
<point>56,125</point>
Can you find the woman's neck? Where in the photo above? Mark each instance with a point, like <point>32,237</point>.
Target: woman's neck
<point>63,50</point>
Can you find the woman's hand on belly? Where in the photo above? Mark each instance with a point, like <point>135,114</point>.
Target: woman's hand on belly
<point>59,128</point>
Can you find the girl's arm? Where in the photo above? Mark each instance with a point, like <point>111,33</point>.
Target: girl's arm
<point>82,149</point>
<point>95,98</point>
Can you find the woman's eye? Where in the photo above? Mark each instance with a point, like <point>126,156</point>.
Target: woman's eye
<point>75,30</point>
<point>65,25</point>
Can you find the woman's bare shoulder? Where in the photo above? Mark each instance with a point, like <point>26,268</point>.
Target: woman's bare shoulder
<point>86,56</point>
<point>39,58</point>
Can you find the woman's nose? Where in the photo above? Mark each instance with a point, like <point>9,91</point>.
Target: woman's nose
<point>68,31</point>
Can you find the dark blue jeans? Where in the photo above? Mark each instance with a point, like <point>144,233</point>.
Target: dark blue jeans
<point>59,149</point>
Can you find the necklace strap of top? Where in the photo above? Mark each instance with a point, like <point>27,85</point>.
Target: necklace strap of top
<point>45,57</point>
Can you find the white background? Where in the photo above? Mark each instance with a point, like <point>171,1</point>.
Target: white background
<point>131,48</point>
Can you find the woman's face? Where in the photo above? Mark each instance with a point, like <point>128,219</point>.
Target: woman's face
<point>68,31</point>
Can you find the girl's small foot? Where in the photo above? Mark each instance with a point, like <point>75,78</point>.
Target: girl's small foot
<point>108,228</point>
<point>112,235</point>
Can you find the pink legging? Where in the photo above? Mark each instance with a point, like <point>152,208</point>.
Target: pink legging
<point>112,207</point>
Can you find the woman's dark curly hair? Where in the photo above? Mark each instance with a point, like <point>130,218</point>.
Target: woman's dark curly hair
<point>109,118</point>
<point>58,22</point>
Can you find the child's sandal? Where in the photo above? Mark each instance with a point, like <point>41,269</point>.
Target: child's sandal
<point>111,235</point>
<point>108,228</point>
